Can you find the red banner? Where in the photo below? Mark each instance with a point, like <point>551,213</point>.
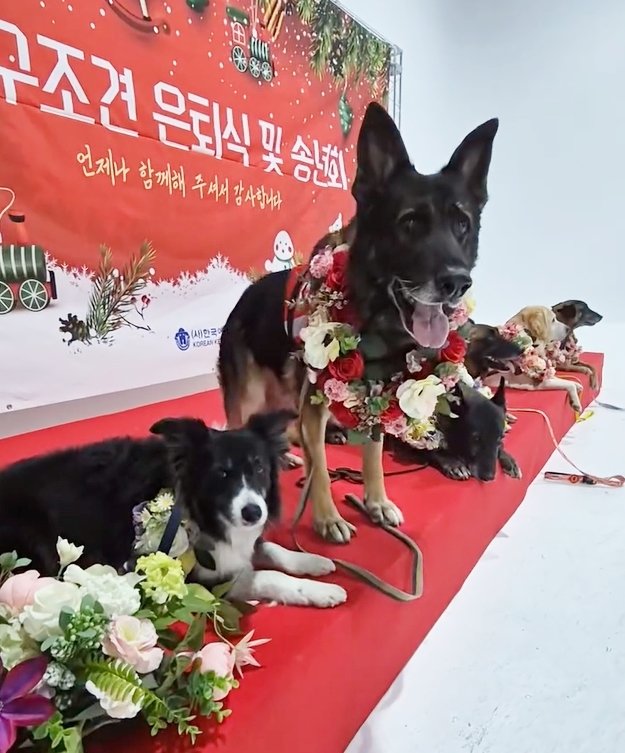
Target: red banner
<point>199,142</point>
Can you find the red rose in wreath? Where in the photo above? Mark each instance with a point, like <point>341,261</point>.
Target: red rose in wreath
<point>336,277</point>
<point>456,348</point>
<point>348,367</point>
<point>392,413</point>
<point>344,416</point>
<point>346,314</point>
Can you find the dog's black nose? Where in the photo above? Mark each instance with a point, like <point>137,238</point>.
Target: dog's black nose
<point>453,285</point>
<point>251,513</point>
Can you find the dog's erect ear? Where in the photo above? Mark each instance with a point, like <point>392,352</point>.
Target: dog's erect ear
<point>567,313</point>
<point>181,431</point>
<point>471,159</point>
<point>499,398</point>
<point>381,152</point>
<point>271,427</point>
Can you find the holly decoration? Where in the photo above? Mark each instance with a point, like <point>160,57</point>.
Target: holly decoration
<point>197,5</point>
<point>346,115</point>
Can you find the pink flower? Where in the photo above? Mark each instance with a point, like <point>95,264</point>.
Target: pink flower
<point>134,641</point>
<point>336,391</point>
<point>218,658</point>
<point>19,591</point>
<point>321,264</point>
<point>458,316</point>
<point>243,652</point>
<point>450,381</point>
<point>397,428</point>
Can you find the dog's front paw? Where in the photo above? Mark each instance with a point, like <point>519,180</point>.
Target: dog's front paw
<point>321,595</point>
<point>313,564</point>
<point>384,512</point>
<point>574,398</point>
<point>290,461</point>
<point>454,468</point>
<point>334,529</point>
<point>510,466</point>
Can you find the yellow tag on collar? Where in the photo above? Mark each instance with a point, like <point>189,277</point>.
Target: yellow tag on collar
<point>585,416</point>
<point>188,561</point>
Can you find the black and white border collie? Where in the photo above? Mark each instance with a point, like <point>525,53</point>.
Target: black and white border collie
<point>226,483</point>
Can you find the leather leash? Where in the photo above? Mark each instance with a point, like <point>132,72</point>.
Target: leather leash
<point>615,482</point>
<point>361,573</point>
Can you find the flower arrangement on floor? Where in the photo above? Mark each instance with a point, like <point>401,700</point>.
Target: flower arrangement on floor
<point>536,362</point>
<point>365,401</point>
<point>91,647</point>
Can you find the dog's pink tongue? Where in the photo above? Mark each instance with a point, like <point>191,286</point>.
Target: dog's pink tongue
<point>430,326</point>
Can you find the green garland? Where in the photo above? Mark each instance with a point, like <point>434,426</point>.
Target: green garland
<point>343,47</point>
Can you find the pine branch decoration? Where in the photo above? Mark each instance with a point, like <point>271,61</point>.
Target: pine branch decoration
<point>113,291</point>
<point>343,47</point>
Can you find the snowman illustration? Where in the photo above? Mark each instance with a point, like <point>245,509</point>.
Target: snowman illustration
<point>283,252</point>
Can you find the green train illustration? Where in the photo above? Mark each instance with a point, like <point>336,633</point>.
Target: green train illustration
<point>253,55</point>
<point>25,278</point>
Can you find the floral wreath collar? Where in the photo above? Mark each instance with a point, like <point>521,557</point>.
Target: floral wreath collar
<point>538,362</point>
<point>406,404</point>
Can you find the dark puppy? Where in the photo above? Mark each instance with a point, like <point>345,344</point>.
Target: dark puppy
<point>225,483</point>
<point>413,245</point>
<point>473,441</point>
<point>575,314</point>
<point>488,352</point>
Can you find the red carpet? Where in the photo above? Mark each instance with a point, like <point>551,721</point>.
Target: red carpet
<point>324,671</point>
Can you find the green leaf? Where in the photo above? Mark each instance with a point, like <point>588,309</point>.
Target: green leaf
<point>65,617</point>
<point>168,638</point>
<point>317,398</point>
<point>199,599</point>
<point>72,740</point>
<point>47,644</point>
<point>88,602</point>
<point>378,404</point>
<point>230,617</point>
<point>22,562</point>
<point>194,637</point>
<point>8,560</point>
<point>221,590</point>
<point>349,343</point>
<point>357,437</point>
<point>443,407</point>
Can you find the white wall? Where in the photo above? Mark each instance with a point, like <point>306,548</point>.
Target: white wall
<point>554,73</point>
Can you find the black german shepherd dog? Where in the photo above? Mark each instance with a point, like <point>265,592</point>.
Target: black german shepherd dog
<point>413,245</point>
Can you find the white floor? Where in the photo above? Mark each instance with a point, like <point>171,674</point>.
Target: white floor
<point>530,656</point>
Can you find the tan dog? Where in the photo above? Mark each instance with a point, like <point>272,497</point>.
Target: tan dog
<point>542,325</point>
<point>575,314</point>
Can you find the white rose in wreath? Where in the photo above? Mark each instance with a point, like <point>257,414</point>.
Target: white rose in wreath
<point>116,593</point>
<point>320,346</point>
<point>418,398</point>
<point>41,618</point>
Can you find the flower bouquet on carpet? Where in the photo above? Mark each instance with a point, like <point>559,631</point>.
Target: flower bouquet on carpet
<point>91,647</point>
